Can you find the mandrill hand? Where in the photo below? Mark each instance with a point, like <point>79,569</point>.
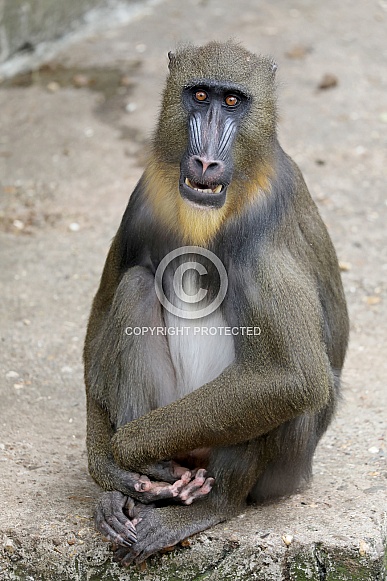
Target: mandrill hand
<point>117,515</point>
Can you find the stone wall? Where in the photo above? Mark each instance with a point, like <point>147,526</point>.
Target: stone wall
<point>25,23</point>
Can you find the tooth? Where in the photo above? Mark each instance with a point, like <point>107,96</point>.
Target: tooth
<point>216,190</point>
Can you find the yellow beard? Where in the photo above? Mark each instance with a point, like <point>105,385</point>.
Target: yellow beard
<point>193,224</point>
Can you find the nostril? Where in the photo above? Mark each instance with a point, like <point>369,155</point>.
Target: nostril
<point>207,166</point>
<point>198,163</point>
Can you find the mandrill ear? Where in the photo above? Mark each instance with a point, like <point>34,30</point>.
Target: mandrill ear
<point>172,59</point>
<point>274,67</point>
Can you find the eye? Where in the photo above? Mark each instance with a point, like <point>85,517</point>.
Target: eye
<point>201,96</point>
<point>232,101</point>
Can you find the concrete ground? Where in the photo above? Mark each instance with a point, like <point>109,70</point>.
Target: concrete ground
<point>72,144</point>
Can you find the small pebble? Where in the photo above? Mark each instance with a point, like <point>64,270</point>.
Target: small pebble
<point>9,546</point>
<point>66,369</point>
<point>130,107</point>
<point>364,548</point>
<point>328,82</point>
<point>297,52</point>
<point>74,227</point>
<point>80,81</point>
<point>185,543</point>
<point>287,539</point>
<point>53,87</point>
<point>11,375</point>
<point>373,300</point>
<point>125,81</point>
<point>56,541</point>
<point>373,450</point>
<point>345,266</point>
<point>18,224</point>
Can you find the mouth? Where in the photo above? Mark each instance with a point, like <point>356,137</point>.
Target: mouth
<point>202,187</point>
<point>204,195</point>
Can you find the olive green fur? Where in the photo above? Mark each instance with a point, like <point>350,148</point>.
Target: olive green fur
<point>263,416</point>
<point>230,63</point>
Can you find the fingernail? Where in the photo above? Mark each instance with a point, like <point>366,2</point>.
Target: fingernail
<point>130,526</point>
<point>127,543</point>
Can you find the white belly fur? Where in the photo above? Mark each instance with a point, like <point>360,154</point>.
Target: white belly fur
<point>198,357</point>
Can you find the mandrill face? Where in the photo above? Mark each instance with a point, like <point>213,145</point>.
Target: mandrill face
<point>215,142</point>
<point>215,111</point>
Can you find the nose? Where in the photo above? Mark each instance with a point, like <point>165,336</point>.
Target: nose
<point>207,168</point>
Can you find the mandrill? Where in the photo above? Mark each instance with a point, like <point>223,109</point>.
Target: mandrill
<point>184,424</point>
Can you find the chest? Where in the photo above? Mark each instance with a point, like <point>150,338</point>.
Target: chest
<point>201,347</point>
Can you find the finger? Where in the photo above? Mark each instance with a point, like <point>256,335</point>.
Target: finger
<point>128,558</point>
<point>178,471</point>
<point>150,550</point>
<point>194,494</point>
<point>162,490</point>
<point>179,485</point>
<point>129,507</point>
<point>111,509</point>
<point>111,535</point>
<point>201,473</point>
<point>124,556</point>
<point>194,485</point>
<point>121,519</point>
<point>128,534</point>
<point>135,510</point>
<point>143,484</point>
<point>111,521</point>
